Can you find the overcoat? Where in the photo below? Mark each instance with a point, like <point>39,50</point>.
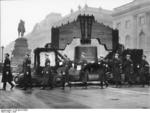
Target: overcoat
<point>144,70</point>
<point>128,70</point>
<point>27,70</point>
<point>7,74</point>
<point>116,69</point>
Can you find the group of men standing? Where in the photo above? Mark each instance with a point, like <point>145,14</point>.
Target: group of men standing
<point>126,67</point>
<point>118,68</point>
<point>7,73</point>
<point>47,77</point>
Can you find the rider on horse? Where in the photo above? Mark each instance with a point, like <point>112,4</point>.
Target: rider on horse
<point>21,28</point>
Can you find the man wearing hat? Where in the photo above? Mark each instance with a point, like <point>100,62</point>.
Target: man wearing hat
<point>7,75</point>
<point>47,74</point>
<point>27,72</point>
<point>102,72</point>
<point>144,71</point>
<point>116,70</point>
<point>84,73</point>
<point>128,69</point>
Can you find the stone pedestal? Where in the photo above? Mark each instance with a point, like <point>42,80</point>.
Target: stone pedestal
<point>20,49</point>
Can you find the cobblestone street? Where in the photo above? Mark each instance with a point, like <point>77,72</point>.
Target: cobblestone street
<point>93,97</point>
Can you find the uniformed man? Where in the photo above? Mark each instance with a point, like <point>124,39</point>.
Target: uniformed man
<point>47,74</point>
<point>84,74</point>
<point>102,72</point>
<point>128,69</point>
<point>116,70</point>
<point>144,71</point>
<point>27,72</point>
<point>65,75</point>
<point>7,75</point>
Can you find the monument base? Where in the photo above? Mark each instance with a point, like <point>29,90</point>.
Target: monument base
<point>20,50</point>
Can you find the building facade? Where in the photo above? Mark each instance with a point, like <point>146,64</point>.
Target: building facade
<point>133,22</point>
<point>0,38</point>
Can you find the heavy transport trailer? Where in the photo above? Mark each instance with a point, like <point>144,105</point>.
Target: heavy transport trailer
<point>75,71</point>
<point>58,62</point>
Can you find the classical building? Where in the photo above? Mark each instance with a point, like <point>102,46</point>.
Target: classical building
<point>133,22</point>
<point>0,50</point>
<point>0,40</point>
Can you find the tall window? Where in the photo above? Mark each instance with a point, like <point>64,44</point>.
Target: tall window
<point>128,41</point>
<point>127,24</point>
<point>141,20</point>
<point>142,40</point>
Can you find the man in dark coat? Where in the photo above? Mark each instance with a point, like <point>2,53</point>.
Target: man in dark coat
<point>27,72</point>
<point>84,74</point>
<point>128,69</point>
<point>47,74</point>
<point>144,71</point>
<point>102,72</point>
<point>7,75</point>
<point>65,75</point>
<point>116,70</point>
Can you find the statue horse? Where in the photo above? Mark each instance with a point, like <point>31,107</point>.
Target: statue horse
<point>21,28</point>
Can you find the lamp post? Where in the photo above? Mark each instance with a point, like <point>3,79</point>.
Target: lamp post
<point>2,52</point>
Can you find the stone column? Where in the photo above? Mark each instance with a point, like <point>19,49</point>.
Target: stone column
<point>147,51</point>
<point>147,15</point>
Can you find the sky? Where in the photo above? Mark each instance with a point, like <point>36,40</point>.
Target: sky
<point>34,11</point>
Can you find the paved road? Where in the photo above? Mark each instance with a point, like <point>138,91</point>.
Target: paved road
<point>93,97</point>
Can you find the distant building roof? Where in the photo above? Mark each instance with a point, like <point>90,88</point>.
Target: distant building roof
<point>101,15</point>
<point>136,4</point>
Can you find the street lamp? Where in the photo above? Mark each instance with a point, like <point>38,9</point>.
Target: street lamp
<point>2,52</point>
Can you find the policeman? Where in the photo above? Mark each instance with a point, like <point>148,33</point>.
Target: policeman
<point>65,75</point>
<point>116,70</point>
<point>27,72</point>
<point>102,72</point>
<point>47,74</point>
<point>84,73</point>
<point>144,71</point>
<point>7,75</point>
<point>128,69</point>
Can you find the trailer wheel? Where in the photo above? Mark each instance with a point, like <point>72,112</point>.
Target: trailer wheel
<point>58,81</point>
<point>16,80</point>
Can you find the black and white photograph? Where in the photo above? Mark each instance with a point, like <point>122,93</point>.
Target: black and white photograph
<point>74,54</point>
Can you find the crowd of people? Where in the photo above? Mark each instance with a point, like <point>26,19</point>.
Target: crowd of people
<point>116,67</point>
